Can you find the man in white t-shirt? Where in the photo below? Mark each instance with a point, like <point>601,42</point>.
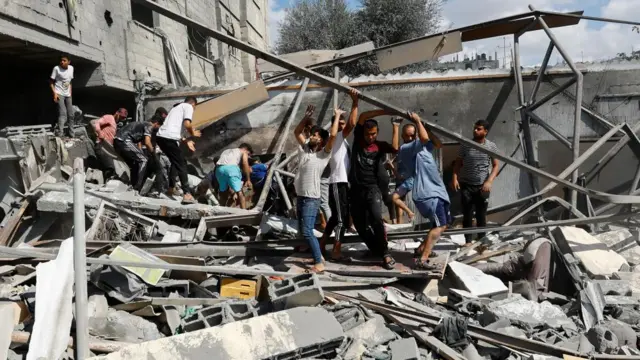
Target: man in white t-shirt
<point>313,159</point>
<point>60,83</point>
<point>339,180</point>
<point>169,137</point>
<point>229,175</point>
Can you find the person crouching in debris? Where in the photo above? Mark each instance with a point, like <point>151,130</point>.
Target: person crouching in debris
<point>533,267</point>
<point>168,139</point>
<point>229,175</point>
<point>339,180</point>
<point>313,158</point>
<point>473,175</point>
<point>429,193</point>
<point>60,83</point>
<point>128,143</point>
<point>106,128</point>
<point>367,157</point>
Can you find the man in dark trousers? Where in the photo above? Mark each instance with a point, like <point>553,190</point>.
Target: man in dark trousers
<point>473,174</point>
<point>128,143</point>
<point>367,157</point>
<point>169,138</point>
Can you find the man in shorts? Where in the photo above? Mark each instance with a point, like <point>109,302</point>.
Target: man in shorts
<point>229,174</point>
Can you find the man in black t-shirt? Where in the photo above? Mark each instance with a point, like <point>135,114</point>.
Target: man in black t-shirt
<point>128,143</point>
<point>367,158</point>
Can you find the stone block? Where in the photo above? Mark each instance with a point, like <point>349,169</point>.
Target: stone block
<point>476,282</point>
<point>632,279</point>
<point>372,333</point>
<point>595,256</point>
<point>617,239</point>
<point>280,335</point>
<point>404,349</point>
<point>529,314</point>
<point>300,290</point>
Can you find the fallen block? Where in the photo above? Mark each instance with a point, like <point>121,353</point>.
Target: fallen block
<point>476,282</point>
<point>596,258</point>
<point>296,333</point>
<point>624,243</point>
<point>523,312</point>
<point>372,333</point>
<point>299,290</point>
<point>404,349</point>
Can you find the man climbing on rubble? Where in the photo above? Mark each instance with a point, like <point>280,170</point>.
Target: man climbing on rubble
<point>339,180</point>
<point>60,83</point>
<point>367,157</point>
<point>229,174</point>
<point>473,174</point>
<point>128,143</point>
<point>105,129</point>
<point>169,137</point>
<point>313,159</point>
<point>429,193</point>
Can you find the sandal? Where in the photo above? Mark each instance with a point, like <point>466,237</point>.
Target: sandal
<point>418,264</point>
<point>418,253</point>
<point>314,270</point>
<point>389,265</point>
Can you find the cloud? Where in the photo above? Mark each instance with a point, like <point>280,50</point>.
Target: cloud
<point>588,41</point>
<point>275,15</point>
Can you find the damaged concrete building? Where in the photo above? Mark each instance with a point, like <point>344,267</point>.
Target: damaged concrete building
<point>94,269</point>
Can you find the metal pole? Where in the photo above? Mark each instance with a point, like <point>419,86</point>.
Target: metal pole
<point>281,143</point>
<point>283,190</point>
<point>393,110</point>
<point>586,17</point>
<point>286,173</point>
<point>80,262</point>
<point>550,129</point>
<point>543,69</point>
<point>552,94</point>
<point>591,174</point>
<point>336,75</point>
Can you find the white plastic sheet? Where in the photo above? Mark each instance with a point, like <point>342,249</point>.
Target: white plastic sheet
<point>54,293</point>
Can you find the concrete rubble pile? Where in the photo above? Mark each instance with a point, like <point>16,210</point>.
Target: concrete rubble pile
<point>224,283</point>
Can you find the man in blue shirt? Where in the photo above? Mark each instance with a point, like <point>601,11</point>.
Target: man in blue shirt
<point>429,193</point>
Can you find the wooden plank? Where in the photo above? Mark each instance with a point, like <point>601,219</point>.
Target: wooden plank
<point>12,224</point>
<point>419,51</point>
<point>210,111</point>
<point>356,264</point>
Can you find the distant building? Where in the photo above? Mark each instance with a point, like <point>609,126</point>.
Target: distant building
<point>479,62</point>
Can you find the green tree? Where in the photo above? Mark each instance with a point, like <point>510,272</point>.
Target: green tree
<point>329,24</point>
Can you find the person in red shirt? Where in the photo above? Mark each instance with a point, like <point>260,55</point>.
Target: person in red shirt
<point>105,129</point>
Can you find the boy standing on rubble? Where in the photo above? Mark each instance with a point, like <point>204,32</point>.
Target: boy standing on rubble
<point>339,180</point>
<point>60,83</point>
<point>229,175</point>
<point>473,174</point>
<point>169,137</point>
<point>367,157</point>
<point>429,193</point>
<point>313,159</point>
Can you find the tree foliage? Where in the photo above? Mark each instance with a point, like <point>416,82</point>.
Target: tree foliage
<point>329,24</point>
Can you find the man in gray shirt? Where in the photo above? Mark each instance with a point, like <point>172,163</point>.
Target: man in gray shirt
<point>313,159</point>
<point>473,174</point>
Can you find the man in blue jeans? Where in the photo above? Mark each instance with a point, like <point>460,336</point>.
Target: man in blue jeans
<point>429,193</point>
<point>313,159</point>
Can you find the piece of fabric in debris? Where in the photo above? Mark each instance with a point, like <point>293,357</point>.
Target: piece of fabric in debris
<point>117,282</point>
<point>452,331</point>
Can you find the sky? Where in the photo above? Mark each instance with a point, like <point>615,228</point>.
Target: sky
<point>587,41</point>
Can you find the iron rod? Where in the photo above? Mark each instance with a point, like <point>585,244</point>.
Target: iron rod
<point>543,69</point>
<point>587,17</point>
<point>281,143</point>
<point>286,173</point>
<point>336,76</point>
<point>591,174</point>
<point>283,190</point>
<point>550,129</point>
<point>80,262</point>
<point>391,109</point>
<point>552,94</point>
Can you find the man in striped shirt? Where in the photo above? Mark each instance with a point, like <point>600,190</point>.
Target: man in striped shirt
<point>473,174</point>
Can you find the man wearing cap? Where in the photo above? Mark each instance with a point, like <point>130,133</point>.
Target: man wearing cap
<point>106,128</point>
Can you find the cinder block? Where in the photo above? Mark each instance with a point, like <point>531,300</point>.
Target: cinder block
<point>300,290</point>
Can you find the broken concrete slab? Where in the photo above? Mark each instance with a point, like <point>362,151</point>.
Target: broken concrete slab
<point>275,335</point>
<point>404,349</point>
<point>476,282</point>
<point>623,331</point>
<point>594,255</point>
<point>618,239</point>
<point>59,199</point>
<point>372,333</point>
<point>632,282</point>
<point>122,326</point>
<point>603,339</point>
<point>529,314</point>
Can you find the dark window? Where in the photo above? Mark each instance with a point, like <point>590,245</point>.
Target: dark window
<point>141,14</point>
<point>197,42</point>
